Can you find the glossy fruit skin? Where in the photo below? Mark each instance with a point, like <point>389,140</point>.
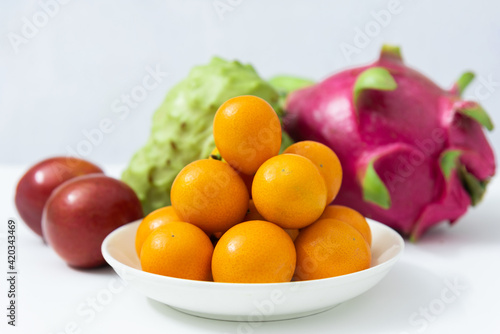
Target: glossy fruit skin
<point>289,191</point>
<point>350,216</point>
<point>82,212</point>
<point>36,185</point>
<point>178,249</point>
<point>210,194</point>
<point>325,160</point>
<point>247,132</point>
<point>329,248</point>
<point>254,252</point>
<point>151,222</point>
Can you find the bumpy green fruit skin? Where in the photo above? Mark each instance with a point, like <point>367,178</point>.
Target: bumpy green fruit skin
<point>182,126</point>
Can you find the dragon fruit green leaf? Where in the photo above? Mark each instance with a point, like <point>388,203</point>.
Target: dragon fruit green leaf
<point>373,78</point>
<point>462,82</point>
<point>392,52</point>
<point>475,111</point>
<point>449,161</point>
<point>374,189</point>
<point>474,187</point>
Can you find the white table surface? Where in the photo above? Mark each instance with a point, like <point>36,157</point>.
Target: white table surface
<point>415,297</point>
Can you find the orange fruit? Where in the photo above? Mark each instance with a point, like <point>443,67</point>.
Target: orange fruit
<point>292,232</point>
<point>248,179</point>
<point>289,191</point>
<point>325,159</point>
<point>247,132</point>
<point>214,237</point>
<point>209,194</point>
<point>350,216</point>
<point>152,221</point>
<point>254,252</point>
<point>252,213</point>
<point>178,249</point>
<point>329,248</point>
<point>217,235</point>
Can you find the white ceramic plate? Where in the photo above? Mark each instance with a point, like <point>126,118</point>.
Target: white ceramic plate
<point>251,302</point>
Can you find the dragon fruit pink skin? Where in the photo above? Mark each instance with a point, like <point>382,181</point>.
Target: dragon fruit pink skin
<point>413,154</point>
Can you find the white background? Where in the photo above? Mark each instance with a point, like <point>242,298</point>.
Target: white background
<point>65,78</point>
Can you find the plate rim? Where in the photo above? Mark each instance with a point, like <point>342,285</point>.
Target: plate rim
<point>339,280</point>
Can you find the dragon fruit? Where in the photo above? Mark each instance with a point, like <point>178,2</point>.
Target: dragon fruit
<point>413,154</point>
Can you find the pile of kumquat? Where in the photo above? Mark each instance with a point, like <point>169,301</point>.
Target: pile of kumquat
<point>248,214</point>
